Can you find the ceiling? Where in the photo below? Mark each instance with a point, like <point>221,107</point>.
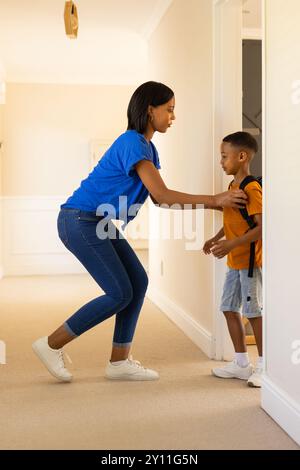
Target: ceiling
<point>111,47</point>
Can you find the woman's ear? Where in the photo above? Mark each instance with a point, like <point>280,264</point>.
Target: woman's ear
<point>150,112</point>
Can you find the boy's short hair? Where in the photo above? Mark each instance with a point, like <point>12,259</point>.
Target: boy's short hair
<point>242,140</point>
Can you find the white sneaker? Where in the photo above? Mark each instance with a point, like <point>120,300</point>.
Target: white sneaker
<point>52,359</point>
<point>129,370</point>
<point>255,379</point>
<point>233,371</point>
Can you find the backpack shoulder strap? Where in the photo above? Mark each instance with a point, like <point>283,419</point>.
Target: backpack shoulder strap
<point>250,221</point>
<point>247,180</point>
<point>244,212</point>
<point>259,180</point>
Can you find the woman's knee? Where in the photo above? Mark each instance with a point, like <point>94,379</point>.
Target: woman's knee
<point>125,295</point>
<point>133,291</point>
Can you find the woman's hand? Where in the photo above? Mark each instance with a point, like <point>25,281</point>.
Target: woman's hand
<point>235,198</point>
<point>222,248</point>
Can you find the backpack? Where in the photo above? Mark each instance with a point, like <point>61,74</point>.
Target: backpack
<point>249,219</point>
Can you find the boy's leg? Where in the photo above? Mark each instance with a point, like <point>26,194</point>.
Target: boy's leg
<point>255,379</point>
<point>230,305</point>
<point>256,324</point>
<point>252,303</point>
<point>252,309</point>
<point>240,368</point>
<point>236,331</point>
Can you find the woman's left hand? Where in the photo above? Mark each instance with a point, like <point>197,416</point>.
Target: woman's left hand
<point>235,198</point>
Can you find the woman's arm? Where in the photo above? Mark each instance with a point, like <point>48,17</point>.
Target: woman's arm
<point>153,200</point>
<point>151,178</point>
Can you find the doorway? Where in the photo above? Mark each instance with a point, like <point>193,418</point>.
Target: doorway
<point>252,96</point>
<point>238,105</point>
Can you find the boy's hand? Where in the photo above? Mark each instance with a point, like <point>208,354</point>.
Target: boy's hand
<point>208,245</point>
<point>222,248</point>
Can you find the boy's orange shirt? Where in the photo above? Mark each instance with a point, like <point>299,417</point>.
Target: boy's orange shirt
<point>235,226</point>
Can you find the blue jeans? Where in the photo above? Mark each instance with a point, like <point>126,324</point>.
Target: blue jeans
<point>114,266</point>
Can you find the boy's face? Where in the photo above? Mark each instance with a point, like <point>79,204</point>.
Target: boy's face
<point>232,158</point>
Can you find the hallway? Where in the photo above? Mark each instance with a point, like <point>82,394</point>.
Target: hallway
<point>186,409</point>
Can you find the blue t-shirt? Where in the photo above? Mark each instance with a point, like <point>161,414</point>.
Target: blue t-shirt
<point>114,184</point>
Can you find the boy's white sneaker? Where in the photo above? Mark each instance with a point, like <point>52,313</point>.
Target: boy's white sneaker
<point>255,379</point>
<point>52,359</point>
<point>129,370</point>
<point>233,371</point>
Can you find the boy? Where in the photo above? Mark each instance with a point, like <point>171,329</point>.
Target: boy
<point>237,152</point>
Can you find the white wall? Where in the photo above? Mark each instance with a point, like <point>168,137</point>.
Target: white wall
<point>2,105</point>
<point>181,55</point>
<point>281,390</point>
<point>189,51</point>
<point>47,133</point>
<point>1,140</point>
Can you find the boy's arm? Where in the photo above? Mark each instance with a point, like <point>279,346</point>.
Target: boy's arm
<point>223,247</point>
<point>210,243</point>
<point>219,235</point>
<point>252,235</point>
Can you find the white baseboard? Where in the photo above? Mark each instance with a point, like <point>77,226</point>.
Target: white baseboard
<point>282,408</point>
<point>199,335</point>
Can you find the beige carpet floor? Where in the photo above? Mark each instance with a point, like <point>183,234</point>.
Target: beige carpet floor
<point>186,409</point>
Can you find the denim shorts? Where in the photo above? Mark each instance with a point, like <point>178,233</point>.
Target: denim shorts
<point>242,291</point>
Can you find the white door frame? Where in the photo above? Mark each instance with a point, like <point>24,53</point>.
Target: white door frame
<point>227,61</point>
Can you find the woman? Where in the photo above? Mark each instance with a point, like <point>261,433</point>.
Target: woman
<point>129,168</point>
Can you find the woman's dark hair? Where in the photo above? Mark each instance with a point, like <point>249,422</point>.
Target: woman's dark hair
<point>149,93</point>
<point>243,140</point>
